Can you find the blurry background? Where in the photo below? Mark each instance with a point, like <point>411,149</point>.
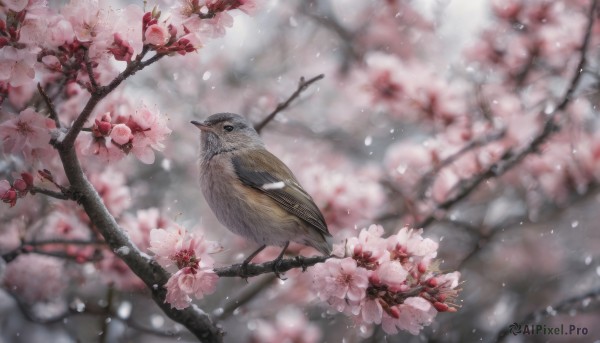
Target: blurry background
<point>419,99</point>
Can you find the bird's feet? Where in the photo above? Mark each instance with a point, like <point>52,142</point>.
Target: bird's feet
<point>244,275</point>
<point>300,260</point>
<point>276,265</point>
<point>277,261</point>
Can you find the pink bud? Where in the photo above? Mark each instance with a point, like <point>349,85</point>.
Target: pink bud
<point>156,35</point>
<point>357,250</point>
<point>422,268</point>
<point>28,178</point>
<point>121,134</point>
<point>46,174</point>
<point>10,197</point>
<point>432,283</point>
<point>104,127</point>
<point>172,31</point>
<point>441,307</point>
<point>394,312</point>
<point>147,17</point>
<point>20,185</point>
<point>52,62</point>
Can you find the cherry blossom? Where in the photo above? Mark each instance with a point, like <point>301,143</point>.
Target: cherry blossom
<point>111,187</point>
<point>28,134</point>
<point>174,246</point>
<point>35,277</point>
<point>290,325</point>
<point>380,288</point>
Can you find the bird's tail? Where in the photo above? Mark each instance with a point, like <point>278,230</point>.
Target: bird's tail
<point>321,243</point>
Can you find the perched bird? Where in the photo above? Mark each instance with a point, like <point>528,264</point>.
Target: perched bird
<point>252,192</point>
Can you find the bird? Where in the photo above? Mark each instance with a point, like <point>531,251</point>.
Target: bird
<point>252,192</point>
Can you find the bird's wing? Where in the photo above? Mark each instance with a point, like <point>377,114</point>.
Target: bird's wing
<point>266,173</point>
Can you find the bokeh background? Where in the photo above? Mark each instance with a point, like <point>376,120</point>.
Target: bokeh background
<point>419,99</point>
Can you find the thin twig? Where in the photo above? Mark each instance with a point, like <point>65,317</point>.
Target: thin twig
<point>102,91</point>
<point>247,294</point>
<point>90,70</point>
<point>90,309</point>
<point>302,86</point>
<point>153,275</point>
<point>50,105</point>
<point>237,270</point>
<point>64,241</point>
<point>560,307</point>
<point>53,194</point>
<point>429,177</point>
<point>511,157</point>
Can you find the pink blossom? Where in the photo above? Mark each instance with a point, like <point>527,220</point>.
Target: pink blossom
<point>91,19</point>
<point>111,186</point>
<point>141,225</point>
<point>406,162</point>
<point>4,187</point>
<point>289,325</point>
<point>397,289</point>
<point>129,26</point>
<point>121,134</point>
<point>16,5</point>
<point>66,223</point>
<point>174,245</point>
<point>339,280</point>
<point>28,134</point>
<point>191,255</point>
<point>101,147</point>
<point>507,9</point>
<point>157,35</point>
<point>149,130</point>
<point>165,243</point>
<point>16,65</point>
<point>35,277</point>
<point>412,315</point>
<point>411,241</point>
<point>368,249</point>
<point>7,193</point>
<point>392,274</point>
<point>189,282</point>
<point>346,196</point>
<point>113,271</point>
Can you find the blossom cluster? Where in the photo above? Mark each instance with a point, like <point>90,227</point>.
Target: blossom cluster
<point>190,254</point>
<point>35,38</point>
<point>391,281</point>
<point>139,133</point>
<point>410,91</point>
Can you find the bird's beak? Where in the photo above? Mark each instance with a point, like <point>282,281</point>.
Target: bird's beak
<point>202,126</point>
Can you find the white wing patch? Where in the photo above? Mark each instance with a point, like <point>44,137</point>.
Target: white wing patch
<point>273,185</point>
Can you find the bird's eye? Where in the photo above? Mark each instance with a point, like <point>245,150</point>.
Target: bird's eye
<point>228,128</point>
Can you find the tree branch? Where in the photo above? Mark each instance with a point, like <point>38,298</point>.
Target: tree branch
<point>154,276</point>
<point>50,105</point>
<point>429,177</point>
<point>302,86</point>
<point>511,158</point>
<point>90,70</point>
<point>237,270</point>
<point>562,306</point>
<point>244,296</point>
<point>53,194</point>
<point>102,91</point>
